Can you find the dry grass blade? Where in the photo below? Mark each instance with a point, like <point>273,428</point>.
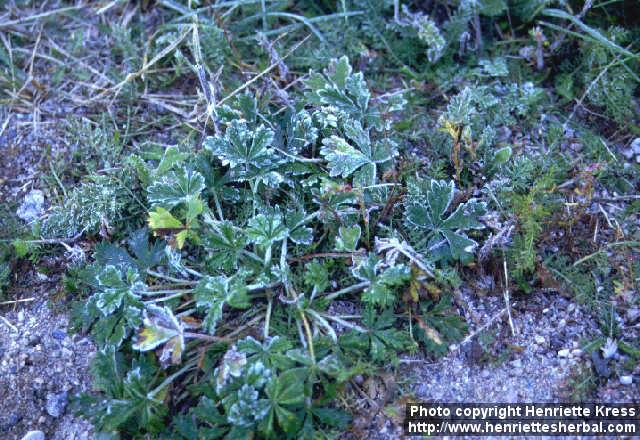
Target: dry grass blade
<point>263,73</point>
<point>131,76</point>
<point>35,17</point>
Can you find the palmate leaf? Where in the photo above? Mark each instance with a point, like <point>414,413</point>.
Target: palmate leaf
<point>316,276</point>
<point>212,293</point>
<point>344,159</point>
<point>179,188</point>
<point>163,222</point>
<point>285,393</point>
<point>128,398</point>
<point>266,229</point>
<point>269,353</point>
<point>244,150</point>
<point>116,292</point>
<point>382,341</point>
<point>383,281</point>
<point>226,241</point>
<point>338,87</point>
<point>295,220</point>
<point>144,256</point>
<point>300,132</point>
<point>347,238</point>
<point>115,307</point>
<point>426,209</point>
<point>439,325</point>
<point>161,327</point>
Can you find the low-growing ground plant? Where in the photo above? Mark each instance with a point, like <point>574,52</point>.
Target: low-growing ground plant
<point>221,307</point>
<point>262,204</point>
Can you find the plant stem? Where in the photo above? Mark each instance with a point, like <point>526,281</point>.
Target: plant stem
<point>354,288</point>
<point>152,394</point>
<point>267,318</point>
<point>170,278</point>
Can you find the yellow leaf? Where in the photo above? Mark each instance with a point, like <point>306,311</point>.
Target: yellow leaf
<point>181,237</point>
<point>162,219</point>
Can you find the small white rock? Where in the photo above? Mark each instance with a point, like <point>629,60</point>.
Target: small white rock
<point>32,206</point>
<point>34,435</point>
<point>563,353</point>
<point>576,353</point>
<point>539,339</point>
<point>626,380</point>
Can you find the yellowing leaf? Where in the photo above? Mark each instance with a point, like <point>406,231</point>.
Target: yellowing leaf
<point>181,237</point>
<point>431,332</point>
<point>161,327</point>
<point>163,219</point>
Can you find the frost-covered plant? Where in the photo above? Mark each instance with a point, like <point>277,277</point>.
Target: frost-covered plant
<point>243,333</point>
<point>444,231</point>
<point>91,207</point>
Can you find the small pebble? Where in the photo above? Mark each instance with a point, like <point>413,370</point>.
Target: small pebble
<point>34,435</point>
<point>539,339</point>
<point>58,334</point>
<point>576,353</point>
<point>56,403</point>
<point>626,380</point>
<point>563,353</point>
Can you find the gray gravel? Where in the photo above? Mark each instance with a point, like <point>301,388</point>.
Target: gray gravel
<point>42,366</point>
<point>535,365</point>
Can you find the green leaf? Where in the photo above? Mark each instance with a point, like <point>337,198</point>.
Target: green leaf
<point>347,239</point>
<point>426,210</point>
<point>295,220</point>
<point>171,157</point>
<point>316,276</point>
<point>502,156</point>
<point>116,292</point>
<point>266,229</point>
<point>442,317</point>
<point>245,151</point>
<point>146,256</point>
<point>383,280</point>
<point>179,188</point>
<point>339,89</point>
<point>382,341</point>
<point>226,241</point>
<point>212,293</point>
<point>343,159</point>
<point>288,388</point>
<point>107,370</point>
<point>334,417</point>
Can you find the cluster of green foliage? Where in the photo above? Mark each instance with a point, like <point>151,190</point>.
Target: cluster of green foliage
<point>217,295</point>
<point>245,235</point>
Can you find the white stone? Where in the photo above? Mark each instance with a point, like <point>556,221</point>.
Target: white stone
<point>626,380</point>
<point>32,206</point>
<point>539,339</point>
<point>563,353</point>
<point>34,435</point>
